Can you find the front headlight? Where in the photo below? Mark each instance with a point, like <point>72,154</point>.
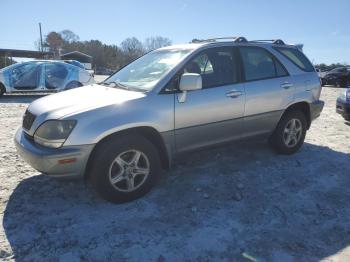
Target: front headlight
<point>53,133</point>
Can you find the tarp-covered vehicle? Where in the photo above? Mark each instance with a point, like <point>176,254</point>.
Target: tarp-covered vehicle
<point>42,76</point>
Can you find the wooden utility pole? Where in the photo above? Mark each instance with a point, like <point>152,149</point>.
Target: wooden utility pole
<point>41,39</point>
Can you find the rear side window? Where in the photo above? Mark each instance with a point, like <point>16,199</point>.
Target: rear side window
<point>260,64</point>
<point>297,58</point>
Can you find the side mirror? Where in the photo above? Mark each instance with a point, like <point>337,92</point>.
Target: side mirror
<point>190,81</point>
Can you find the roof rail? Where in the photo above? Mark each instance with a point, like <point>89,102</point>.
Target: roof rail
<point>273,41</point>
<point>241,39</point>
<point>236,39</point>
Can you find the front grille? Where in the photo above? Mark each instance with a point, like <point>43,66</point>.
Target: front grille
<point>28,120</point>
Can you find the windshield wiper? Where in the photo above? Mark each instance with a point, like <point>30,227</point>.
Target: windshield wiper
<point>116,84</point>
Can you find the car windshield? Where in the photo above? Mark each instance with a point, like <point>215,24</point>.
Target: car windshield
<point>144,73</point>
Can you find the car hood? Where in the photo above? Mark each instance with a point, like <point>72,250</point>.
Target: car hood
<point>80,100</point>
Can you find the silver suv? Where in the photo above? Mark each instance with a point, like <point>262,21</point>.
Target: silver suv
<point>121,133</point>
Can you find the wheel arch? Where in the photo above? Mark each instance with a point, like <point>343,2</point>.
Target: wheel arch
<point>302,106</point>
<point>147,132</point>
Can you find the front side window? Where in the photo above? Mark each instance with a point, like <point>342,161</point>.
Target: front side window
<point>217,67</point>
<point>297,58</point>
<point>144,73</point>
<point>25,76</point>
<point>260,64</point>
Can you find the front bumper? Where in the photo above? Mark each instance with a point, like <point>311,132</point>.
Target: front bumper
<point>65,162</point>
<point>316,109</point>
<point>343,108</point>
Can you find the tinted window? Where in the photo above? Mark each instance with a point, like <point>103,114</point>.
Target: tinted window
<point>216,66</point>
<point>335,70</point>
<point>297,57</point>
<point>260,64</point>
<point>55,75</point>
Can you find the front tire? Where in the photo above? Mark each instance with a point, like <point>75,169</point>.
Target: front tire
<point>125,168</point>
<point>289,134</point>
<point>2,89</point>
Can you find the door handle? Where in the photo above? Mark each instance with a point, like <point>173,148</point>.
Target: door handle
<point>286,85</point>
<point>234,93</point>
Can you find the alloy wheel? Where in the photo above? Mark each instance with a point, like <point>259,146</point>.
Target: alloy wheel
<point>129,170</point>
<point>292,132</point>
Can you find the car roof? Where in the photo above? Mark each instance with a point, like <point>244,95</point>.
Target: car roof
<point>46,61</point>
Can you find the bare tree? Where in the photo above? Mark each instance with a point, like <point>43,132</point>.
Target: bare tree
<point>104,56</point>
<point>132,48</point>
<point>37,45</point>
<point>152,43</point>
<point>68,36</point>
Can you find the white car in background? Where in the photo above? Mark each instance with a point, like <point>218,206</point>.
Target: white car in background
<point>320,73</point>
<point>42,76</point>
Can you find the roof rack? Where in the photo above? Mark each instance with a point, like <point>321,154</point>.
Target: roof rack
<point>236,39</point>
<point>273,41</point>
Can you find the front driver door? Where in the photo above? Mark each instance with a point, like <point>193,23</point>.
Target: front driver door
<point>26,77</point>
<point>214,113</point>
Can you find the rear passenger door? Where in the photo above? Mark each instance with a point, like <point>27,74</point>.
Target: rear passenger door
<point>215,113</point>
<point>55,75</point>
<point>269,89</point>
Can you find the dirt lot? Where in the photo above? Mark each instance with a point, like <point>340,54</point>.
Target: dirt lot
<point>238,203</point>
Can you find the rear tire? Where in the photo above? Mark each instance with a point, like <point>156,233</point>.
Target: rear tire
<point>285,139</point>
<point>113,168</point>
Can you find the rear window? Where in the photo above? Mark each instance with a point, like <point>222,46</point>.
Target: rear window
<point>297,58</point>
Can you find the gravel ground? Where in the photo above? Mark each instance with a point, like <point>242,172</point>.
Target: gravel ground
<point>238,203</point>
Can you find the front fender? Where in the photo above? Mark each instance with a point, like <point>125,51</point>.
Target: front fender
<point>5,80</point>
<point>155,111</point>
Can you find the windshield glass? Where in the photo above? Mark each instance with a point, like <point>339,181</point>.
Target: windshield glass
<point>145,72</point>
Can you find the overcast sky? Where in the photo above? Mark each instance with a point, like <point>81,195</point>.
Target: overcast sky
<point>322,26</point>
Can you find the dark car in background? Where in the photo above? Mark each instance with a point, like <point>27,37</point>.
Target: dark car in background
<point>104,71</point>
<point>343,105</point>
<point>42,76</point>
<point>339,77</point>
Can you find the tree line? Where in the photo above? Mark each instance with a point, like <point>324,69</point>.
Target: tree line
<point>324,67</point>
<point>104,56</point>
<point>110,56</point>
